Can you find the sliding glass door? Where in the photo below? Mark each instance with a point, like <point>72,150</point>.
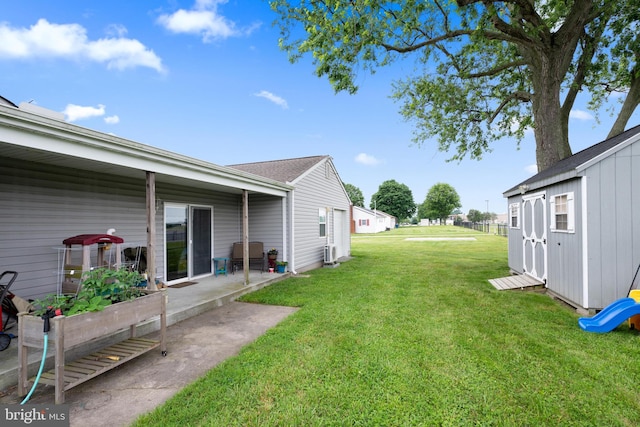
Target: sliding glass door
<point>188,241</point>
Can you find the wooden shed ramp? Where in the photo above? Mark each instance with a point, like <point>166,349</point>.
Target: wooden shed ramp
<point>520,281</point>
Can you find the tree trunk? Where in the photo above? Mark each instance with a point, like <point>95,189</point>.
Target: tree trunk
<point>630,103</point>
<point>552,140</point>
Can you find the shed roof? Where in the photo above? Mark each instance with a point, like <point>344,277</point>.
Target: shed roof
<point>285,170</point>
<point>569,167</point>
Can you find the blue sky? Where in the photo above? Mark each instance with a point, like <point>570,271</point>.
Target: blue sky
<point>206,79</point>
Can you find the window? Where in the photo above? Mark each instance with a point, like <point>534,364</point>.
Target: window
<point>514,215</point>
<point>363,222</point>
<point>562,213</point>
<point>322,220</point>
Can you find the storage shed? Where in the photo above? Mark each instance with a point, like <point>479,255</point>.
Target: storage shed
<point>574,226</point>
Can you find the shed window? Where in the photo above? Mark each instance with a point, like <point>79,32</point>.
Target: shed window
<point>322,221</point>
<point>562,213</point>
<point>514,215</point>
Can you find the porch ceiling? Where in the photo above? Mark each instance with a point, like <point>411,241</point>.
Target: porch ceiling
<point>66,162</point>
<point>56,143</point>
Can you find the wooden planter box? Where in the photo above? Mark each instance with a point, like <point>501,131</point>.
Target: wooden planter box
<point>68,332</point>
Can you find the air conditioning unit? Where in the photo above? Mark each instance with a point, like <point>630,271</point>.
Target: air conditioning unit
<point>330,254</point>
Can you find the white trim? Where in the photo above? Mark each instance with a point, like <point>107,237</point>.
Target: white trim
<point>518,206</point>
<point>607,153</point>
<point>571,213</point>
<point>585,244</point>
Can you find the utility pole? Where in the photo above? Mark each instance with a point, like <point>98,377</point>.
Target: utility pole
<point>488,224</point>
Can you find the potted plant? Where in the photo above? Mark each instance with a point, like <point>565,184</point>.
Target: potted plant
<point>281,266</point>
<point>108,302</point>
<point>272,255</point>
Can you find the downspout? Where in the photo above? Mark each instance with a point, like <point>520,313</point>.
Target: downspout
<point>285,246</point>
<point>292,236</point>
<point>585,242</point>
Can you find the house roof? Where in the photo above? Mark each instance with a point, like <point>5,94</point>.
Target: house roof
<point>569,167</point>
<point>66,145</point>
<point>371,212</point>
<point>286,170</point>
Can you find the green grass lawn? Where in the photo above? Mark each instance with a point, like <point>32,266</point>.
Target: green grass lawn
<point>411,333</point>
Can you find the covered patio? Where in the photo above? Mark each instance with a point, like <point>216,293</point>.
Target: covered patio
<point>183,302</point>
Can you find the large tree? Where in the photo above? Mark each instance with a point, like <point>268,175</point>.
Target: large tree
<point>395,199</point>
<point>440,202</point>
<point>485,69</point>
<point>355,194</point>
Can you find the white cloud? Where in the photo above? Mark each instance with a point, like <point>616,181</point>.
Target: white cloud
<point>273,98</point>
<point>532,169</point>
<point>78,112</point>
<point>367,159</point>
<point>580,115</point>
<point>70,41</point>
<point>112,120</point>
<point>203,20</point>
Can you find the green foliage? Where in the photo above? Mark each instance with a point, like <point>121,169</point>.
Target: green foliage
<point>410,333</point>
<point>101,287</point>
<point>485,71</point>
<point>475,215</point>
<point>394,199</point>
<point>355,194</point>
<point>442,199</point>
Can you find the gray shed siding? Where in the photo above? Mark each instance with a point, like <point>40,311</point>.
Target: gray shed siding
<point>613,226</point>
<point>320,188</point>
<point>564,249</point>
<point>515,253</point>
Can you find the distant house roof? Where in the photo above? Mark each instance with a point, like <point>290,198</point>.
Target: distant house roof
<point>286,170</point>
<point>569,167</point>
<point>371,212</point>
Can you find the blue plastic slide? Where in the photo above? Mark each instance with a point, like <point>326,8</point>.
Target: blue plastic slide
<point>611,316</point>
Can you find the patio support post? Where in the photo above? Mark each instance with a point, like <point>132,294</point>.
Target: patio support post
<point>245,236</point>
<point>151,231</point>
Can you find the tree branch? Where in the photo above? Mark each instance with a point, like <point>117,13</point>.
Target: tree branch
<point>497,70</point>
<point>517,96</point>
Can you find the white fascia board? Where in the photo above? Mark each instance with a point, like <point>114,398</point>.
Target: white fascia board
<point>41,133</point>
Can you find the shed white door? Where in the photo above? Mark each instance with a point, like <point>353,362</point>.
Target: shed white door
<point>534,236</point>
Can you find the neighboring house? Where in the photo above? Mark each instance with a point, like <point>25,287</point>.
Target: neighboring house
<point>575,227</point>
<point>369,221</point>
<point>318,208</point>
<point>61,180</point>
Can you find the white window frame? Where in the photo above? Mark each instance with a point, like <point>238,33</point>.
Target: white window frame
<point>322,220</point>
<point>571,213</point>
<point>515,206</point>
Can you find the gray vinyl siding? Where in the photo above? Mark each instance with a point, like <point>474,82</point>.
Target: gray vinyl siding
<point>564,249</point>
<point>266,222</point>
<point>43,205</point>
<point>613,200</point>
<point>320,188</point>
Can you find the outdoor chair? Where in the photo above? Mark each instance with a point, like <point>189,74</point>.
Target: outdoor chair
<point>256,256</point>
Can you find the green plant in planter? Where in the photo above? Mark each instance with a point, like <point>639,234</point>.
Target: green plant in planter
<point>101,287</point>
